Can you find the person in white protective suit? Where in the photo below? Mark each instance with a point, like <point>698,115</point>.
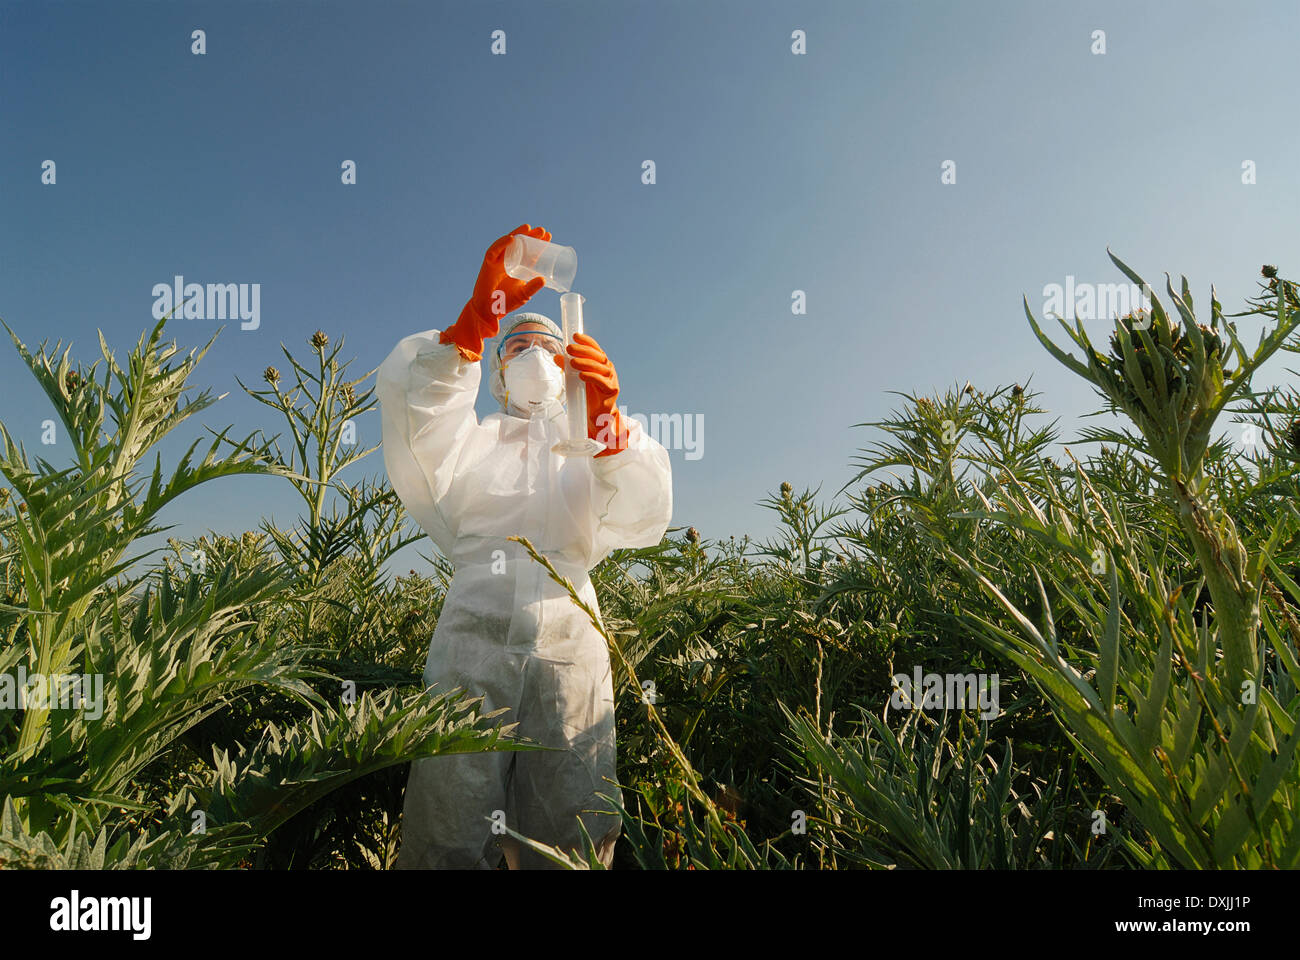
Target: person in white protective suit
<point>507,632</point>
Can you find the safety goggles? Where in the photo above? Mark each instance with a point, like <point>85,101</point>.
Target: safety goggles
<point>516,343</point>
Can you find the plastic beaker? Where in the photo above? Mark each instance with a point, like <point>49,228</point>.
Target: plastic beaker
<point>528,257</point>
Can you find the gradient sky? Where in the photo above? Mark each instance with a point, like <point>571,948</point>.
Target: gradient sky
<point>775,173</point>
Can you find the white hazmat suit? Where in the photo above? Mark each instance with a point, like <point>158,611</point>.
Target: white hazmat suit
<point>507,632</point>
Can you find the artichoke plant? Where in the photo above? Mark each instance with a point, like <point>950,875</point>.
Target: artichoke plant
<point>1173,381</point>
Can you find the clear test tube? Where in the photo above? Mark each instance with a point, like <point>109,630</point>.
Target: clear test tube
<point>575,391</point>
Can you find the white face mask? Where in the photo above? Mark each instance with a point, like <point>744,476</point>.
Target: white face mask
<point>532,378</point>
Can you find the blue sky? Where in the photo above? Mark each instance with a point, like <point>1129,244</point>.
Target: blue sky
<point>775,173</point>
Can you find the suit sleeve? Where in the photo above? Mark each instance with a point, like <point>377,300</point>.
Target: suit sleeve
<point>631,495</point>
<point>426,392</point>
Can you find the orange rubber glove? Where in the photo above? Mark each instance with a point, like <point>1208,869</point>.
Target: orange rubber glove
<point>479,320</point>
<point>601,380</point>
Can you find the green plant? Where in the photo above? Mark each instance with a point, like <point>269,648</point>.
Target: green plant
<point>174,650</point>
<point>1204,752</point>
<point>929,800</point>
